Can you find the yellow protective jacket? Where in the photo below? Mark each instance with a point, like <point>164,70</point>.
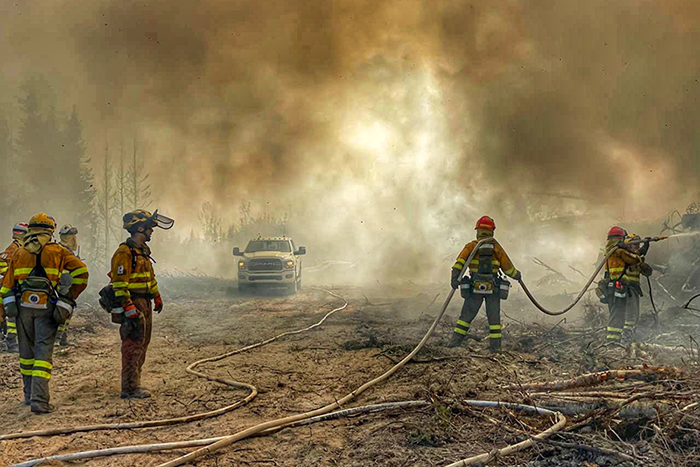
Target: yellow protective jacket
<point>500,260</point>
<point>6,256</point>
<point>54,260</point>
<point>132,273</point>
<point>619,262</point>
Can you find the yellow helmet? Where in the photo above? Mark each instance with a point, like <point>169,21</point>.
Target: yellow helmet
<point>142,218</point>
<point>632,237</point>
<point>42,221</point>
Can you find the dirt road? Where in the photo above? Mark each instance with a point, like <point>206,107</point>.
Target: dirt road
<point>300,373</point>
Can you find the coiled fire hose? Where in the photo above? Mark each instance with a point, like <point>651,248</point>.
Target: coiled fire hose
<point>274,425</point>
<point>285,421</point>
<point>190,369</point>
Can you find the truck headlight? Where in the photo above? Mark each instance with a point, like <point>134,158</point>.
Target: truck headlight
<point>241,265</point>
<point>289,264</point>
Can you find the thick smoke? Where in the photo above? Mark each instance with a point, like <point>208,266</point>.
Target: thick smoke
<point>386,128</point>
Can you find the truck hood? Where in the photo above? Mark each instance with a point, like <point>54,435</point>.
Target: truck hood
<point>267,254</point>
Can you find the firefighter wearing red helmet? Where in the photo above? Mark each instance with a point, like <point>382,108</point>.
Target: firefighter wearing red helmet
<point>618,292</point>
<point>483,283</point>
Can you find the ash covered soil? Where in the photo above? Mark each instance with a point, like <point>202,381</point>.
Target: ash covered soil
<point>302,372</point>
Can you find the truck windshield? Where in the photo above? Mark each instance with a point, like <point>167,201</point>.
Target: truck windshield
<point>265,245</point>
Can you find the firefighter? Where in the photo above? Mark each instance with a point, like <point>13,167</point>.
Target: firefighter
<point>135,285</point>
<point>29,291</point>
<point>9,325</point>
<point>631,277</point>
<point>69,240</point>
<point>619,283</point>
<point>483,283</point>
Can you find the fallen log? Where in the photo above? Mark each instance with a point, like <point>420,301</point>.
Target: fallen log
<point>645,373</point>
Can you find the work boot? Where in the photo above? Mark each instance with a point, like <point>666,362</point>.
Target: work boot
<point>495,345</point>
<point>41,409</point>
<point>628,337</point>
<point>139,393</point>
<point>456,340</point>
<point>11,343</point>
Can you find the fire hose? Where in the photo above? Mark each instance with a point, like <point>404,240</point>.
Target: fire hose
<point>190,369</point>
<point>286,421</point>
<point>273,425</point>
<point>590,280</point>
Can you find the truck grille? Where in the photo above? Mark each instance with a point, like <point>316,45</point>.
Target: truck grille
<point>265,264</point>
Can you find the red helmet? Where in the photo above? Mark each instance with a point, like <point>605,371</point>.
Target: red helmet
<point>485,223</point>
<point>617,232</point>
<point>20,228</point>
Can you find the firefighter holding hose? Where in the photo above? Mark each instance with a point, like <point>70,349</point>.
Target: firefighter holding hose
<point>616,267</point>
<point>631,277</point>
<point>483,283</point>
<point>134,284</point>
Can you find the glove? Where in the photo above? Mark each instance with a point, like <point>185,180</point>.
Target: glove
<point>64,309</point>
<point>158,304</point>
<point>9,304</point>
<point>455,279</point>
<point>646,269</point>
<point>518,276</point>
<point>130,311</point>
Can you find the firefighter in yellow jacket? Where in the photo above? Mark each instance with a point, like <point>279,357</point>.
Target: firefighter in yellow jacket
<point>482,283</point>
<point>632,278</point>
<point>69,240</point>
<point>29,291</point>
<point>619,285</point>
<point>9,325</point>
<point>134,284</point>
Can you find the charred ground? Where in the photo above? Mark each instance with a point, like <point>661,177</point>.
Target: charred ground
<point>379,327</point>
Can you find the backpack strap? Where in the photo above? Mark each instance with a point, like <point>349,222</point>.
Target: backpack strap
<point>38,270</point>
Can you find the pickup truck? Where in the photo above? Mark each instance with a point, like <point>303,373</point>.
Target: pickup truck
<point>269,262</point>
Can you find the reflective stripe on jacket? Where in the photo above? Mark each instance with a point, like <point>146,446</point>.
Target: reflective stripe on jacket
<point>54,259</point>
<point>6,256</point>
<point>619,262</point>
<point>126,280</point>
<point>500,260</point>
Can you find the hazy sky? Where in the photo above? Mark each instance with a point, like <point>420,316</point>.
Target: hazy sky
<point>391,123</point>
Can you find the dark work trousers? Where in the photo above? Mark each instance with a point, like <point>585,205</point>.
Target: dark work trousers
<point>11,337</point>
<point>493,312</point>
<point>36,332</point>
<point>632,311</point>
<point>134,350</point>
<point>618,309</point>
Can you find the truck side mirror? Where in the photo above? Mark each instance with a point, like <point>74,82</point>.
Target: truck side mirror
<point>300,251</point>
<point>237,251</point>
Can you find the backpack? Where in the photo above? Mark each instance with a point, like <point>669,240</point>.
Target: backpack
<point>108,300</point>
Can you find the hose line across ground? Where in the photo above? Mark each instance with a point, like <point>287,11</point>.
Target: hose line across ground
<point>191,370</point>
<point>229,440</point>
<point>144,448</point>
<point>580,295</point>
